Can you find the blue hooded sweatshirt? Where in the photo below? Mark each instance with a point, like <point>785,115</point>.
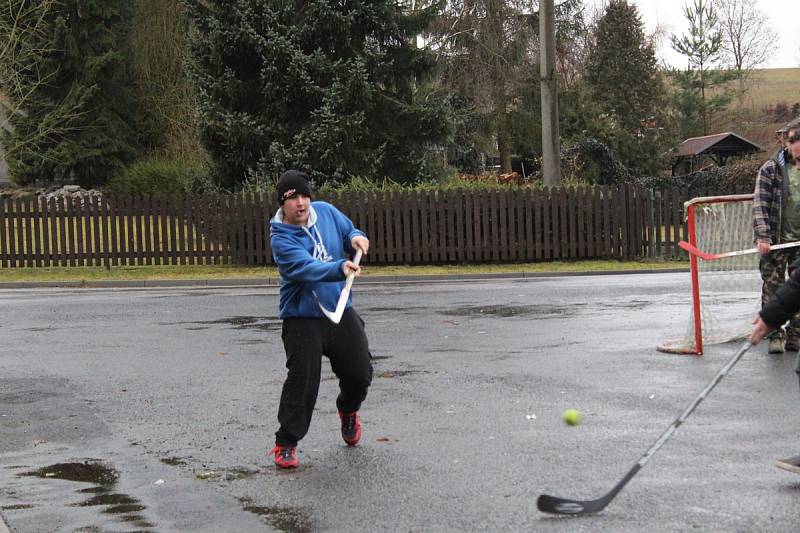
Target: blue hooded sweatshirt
<point>310,259</point>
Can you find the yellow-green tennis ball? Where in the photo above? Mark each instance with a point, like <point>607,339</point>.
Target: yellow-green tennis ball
<point>571,417</point>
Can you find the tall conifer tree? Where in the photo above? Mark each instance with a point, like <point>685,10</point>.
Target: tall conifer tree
<point>702,88</point>
<point>329,87</point>
<point>625,85</point>
<point>75,120</point>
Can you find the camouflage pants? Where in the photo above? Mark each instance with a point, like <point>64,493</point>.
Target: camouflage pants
<point>773,268</point>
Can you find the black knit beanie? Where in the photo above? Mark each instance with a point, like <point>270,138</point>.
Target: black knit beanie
<point>292,183</point>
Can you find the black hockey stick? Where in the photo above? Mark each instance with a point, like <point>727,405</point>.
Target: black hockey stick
<point>555,505</point>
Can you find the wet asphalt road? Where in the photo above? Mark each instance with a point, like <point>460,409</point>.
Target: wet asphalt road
<point>151,410</point>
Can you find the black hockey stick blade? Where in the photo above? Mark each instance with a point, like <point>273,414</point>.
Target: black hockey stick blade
<point>556,505</point>
<point>563,506</point>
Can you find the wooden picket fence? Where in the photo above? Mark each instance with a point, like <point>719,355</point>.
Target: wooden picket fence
<point>409,227</point>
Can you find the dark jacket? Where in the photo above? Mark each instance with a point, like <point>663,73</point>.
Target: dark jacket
<point>785,303</point>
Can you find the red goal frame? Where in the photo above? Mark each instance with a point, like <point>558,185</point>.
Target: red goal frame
<point>690,208</point>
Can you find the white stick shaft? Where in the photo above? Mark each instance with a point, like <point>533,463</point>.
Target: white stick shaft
<point>347,286</point>
<point>755,250</point>
<point>336,315</point>
<point>710,257</point>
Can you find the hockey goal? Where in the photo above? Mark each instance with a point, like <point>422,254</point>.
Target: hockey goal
<point>726,292</point>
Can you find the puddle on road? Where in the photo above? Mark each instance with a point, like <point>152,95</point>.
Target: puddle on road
<point>399,373</point>
<point>183,295</point>
<point>137,520</point>
<point>222,474</point>
<point>251,342</point>
<point>94,490</point>
<point>16,507</point>
<point>259,323</point>
<point>127,509</point>
<point>507,311</point>
<point>86,472</point>
<point>108,498</point>
<point>228,474</point>
<point>403,310</point>
<point>242,472</point>
<point>104,478</point>
<point>286,519</point>
<point>632,304</point>
<point>540,311</point>
<point>173,461</point>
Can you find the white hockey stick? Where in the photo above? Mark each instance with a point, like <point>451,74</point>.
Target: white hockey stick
<point>710,257</point>
<point>336,315</point>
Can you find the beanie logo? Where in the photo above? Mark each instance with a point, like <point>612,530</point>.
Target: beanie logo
<point>289,193</point>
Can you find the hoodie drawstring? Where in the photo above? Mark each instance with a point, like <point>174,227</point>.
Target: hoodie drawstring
<point>320,252</point>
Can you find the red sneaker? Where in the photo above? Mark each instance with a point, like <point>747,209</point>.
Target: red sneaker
<point>351,427</point>
<point>285,456</point>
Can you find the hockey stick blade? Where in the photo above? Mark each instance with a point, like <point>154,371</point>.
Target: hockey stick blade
<point>563,506</point>
<point>556,505</point>
<point>710,257</point>
<point>335,316</point>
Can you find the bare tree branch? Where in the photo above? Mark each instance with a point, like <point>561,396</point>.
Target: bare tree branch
<point>23,29</point>
<point>748,37</point>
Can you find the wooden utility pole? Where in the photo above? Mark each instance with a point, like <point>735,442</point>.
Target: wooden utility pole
<point>551,164</point>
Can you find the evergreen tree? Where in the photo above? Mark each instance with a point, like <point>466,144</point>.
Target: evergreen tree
<point>625,86</point>
<point>74,123</point>
<point>330,87</point>
<point>696,99</point>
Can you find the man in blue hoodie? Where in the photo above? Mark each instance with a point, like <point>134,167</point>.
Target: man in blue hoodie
<point>311,243</point>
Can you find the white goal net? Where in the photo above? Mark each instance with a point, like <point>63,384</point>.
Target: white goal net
<point>726,292</point>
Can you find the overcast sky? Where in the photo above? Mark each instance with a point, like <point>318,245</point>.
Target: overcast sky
<point>784,14</point>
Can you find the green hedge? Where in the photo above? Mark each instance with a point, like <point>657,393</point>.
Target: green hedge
<point>161,177</point>
<point>739,178</point>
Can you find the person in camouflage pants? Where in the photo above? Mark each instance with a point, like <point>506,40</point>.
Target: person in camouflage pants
<point>776,219</point>
<point>773,268</point>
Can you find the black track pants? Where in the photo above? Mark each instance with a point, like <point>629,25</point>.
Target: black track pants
<point>306,340</point>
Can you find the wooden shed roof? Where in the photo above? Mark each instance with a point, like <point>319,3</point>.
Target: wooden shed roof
<point>723,144</point>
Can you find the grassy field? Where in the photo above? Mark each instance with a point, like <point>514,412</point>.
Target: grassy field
<point>748,116</point>
<point>771,86</point>
<point>765,88</point>
<point>240,272</point>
